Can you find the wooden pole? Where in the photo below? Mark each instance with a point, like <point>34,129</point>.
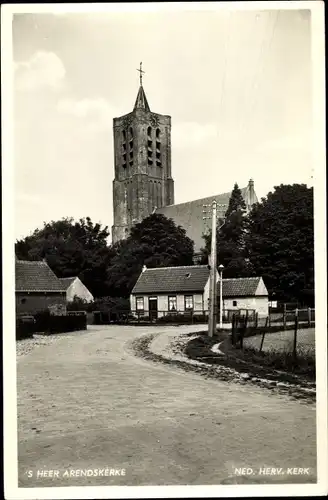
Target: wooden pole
<point>285,316</point>
<point>263,334</point>
<point>295,338</point>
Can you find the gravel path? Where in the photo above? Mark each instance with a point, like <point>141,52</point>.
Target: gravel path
<point>85,402</point>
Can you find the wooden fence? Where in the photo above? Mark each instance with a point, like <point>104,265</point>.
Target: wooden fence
<point>243,326</point>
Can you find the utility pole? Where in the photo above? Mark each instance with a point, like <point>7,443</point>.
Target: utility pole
<point>221,296</point>
<point>212,317</point>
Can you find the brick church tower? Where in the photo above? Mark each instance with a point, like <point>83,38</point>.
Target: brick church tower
<point>143,179</point>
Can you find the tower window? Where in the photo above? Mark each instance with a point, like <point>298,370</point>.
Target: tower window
<point>158,155</point>
<point>149,144</point>
<point>131,144</point>
<point>130,133</point>
<point>150,161</point>
<point>131,155</point>
<point>124,146</point>
<point>149,132</point>
<point>131,163</point>
<point>124,135</point>
<point>158,163</point>
<point>157,133</point>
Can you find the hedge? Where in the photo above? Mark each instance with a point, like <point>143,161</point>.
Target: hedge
<point>25,327</point>
<point>44,322</point>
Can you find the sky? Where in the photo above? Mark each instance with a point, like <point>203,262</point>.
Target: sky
<point>237,84</point>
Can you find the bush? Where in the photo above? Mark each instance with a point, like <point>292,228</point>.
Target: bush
<point>80,305</point>
<point>303,364</point>
<point>68,323</point>
<point>25,327</point>
<point>44,322</point>
<point>182,318</point>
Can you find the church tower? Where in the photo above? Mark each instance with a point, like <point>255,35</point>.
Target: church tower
<point>143,179</point>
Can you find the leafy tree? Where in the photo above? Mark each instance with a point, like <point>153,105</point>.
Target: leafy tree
<point>71,248</point>
<point>280,242</point>
<point>155,242</point>
<point>231,251</point>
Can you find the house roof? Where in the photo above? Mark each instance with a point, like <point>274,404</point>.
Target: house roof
<point>172,279</point>
<point>239,287</point>
<point>36,276</point>
<point>66,282</point>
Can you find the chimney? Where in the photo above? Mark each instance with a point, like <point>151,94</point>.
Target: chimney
<point>144,267</point>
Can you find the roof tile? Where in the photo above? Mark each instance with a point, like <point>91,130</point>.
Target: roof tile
<point>36,276</point>
<point>239,287</point>
<point>172,279</point>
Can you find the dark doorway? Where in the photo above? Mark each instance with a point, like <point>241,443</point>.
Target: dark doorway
<point>152,308</point>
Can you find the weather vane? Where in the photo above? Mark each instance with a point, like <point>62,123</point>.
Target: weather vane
<point>141,73</point>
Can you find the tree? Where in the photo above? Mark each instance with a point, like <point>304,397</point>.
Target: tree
<point>154,242</point>
<point>71,249</point>
<point>231,251</point>
<point>280,242</point>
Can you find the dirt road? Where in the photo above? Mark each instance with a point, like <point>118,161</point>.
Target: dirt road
<point>86,403</point>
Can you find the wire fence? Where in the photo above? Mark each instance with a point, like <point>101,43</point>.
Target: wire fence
<point>290,331</point>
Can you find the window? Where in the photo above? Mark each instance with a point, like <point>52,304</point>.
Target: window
<point>172,303</point>
<point>234,303</point>
<point>140,303</point>
<point>157,133</point>
<point>149,132</point>
<point>189,302</point>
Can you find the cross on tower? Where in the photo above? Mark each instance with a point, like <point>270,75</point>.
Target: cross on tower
<point>141,73</point>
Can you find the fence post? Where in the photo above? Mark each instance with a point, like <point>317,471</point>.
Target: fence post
<point>233,331</point>
<point>263,335</point>
<point>309,316</point>
<point>243,331</point>
<point>285,316</point>
<point>295,338</point>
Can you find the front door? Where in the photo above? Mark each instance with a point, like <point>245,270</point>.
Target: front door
<point>152,308</point>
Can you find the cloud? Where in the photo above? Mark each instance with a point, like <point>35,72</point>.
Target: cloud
<point>98,112</point>
<point>189,134</point>
<point>42,70</point>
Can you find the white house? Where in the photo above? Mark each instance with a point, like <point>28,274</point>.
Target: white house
<point>162,290</point>
<point>75,288</point>
<point>245,294</point>
<point>171,289</point>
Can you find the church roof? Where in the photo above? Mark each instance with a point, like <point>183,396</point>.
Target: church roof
<point>172,279</point>
<point>189,215</point>
<point>141,101</point>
